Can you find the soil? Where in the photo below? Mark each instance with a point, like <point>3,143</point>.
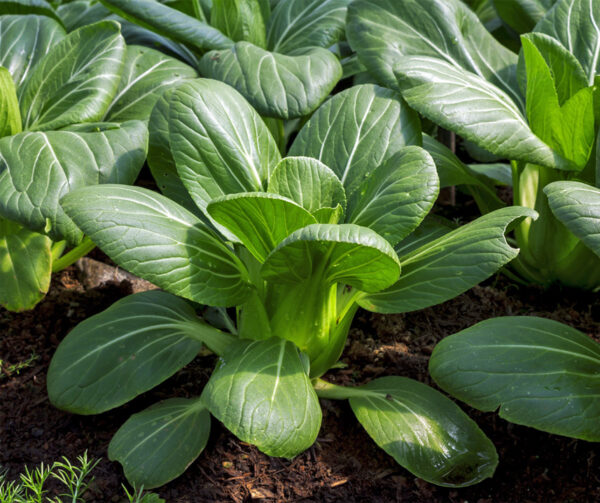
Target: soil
<point>344,465</point>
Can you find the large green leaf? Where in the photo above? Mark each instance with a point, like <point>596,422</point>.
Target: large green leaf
<point>158,444</point>
<point>472,107</point>
<point>382,32</point>
<point>240,20</point>
<point>296,24</point>
<point>577,206</point>
<point>356,131</point>
<point>262,393</point>
<point>259,219</point>
<point>158,240</point>
<point>566,71</point>
<point>31,37</point>
<point>576,25</point>
<point>37,7</point>
<point>25,266</point>
<point>131,347</point>
<point>569,128</point>
<point>284,86</point>
<point>446,267</point>
<point>538,372</point>
<point>346,254</point>
<point>308,182</point>
<point>170,23</point>
<point>10,116</point>
<point>37,169</point>
<point>396,197</point>
<point>146,75</point>
<point>76,81</point>
<point>160,160</point>
<point>219,143</point>
<point>424,431</point>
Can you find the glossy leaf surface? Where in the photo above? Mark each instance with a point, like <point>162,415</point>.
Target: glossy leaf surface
<point>160,241</point>
<point>114,356</point>
<point>285,86</point>
<point>577,206</point>
<point>346,254</point>
<point>356,131</point>
<point>31,38</point>
<point>25,266</point>
<point>157,444</point>
<point>538,372</point>
<point>260,220</point>
<point>37,169</point>
<point>425,432</point>
<point>442,269</point>
<point>76,81</point>
<point>146,75</point>
<point>263,395</point>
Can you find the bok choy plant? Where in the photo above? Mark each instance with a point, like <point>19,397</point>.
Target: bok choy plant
<point>71,111</point>
<point>292,246</point>
<point>277,59</point>
<point>537,110</point>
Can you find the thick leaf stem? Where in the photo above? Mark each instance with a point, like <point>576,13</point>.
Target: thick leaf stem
<point>331,391</point>
<point>74,255</point>
<point>213,338</point>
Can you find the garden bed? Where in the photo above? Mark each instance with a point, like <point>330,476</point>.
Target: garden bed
<point>344,464</point>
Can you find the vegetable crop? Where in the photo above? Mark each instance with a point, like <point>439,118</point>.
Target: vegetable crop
<point>536,109</point>
<point>292,247</point>
<point>71,112</point>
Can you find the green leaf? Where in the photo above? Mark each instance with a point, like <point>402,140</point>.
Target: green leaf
<point>76,80</point>
<point>346,254</point>
<point>425,432</point>
<point>170,23</point>
<point>432,228</point>
<point>146,75</point>
<point>577,206</point>
<point>356,131</point>
<point>157,445</point>
<point>567,74</point>
<point>219,143</point>
<point>522,15</point>
<point>112,357</point>
<point>37,169</point>
<point>158,240</point>
<point>262,394</point>
<point>308,182</point>
<point>396,197</point>
<point>382,32</point>
<point>444,268</point>
<point>25,266</point>
<point>276,85</point>
<point>576,25</point>
<point>260,220</point>
<point>10,116</point>
<point>31,38</point>
<point>296,24</point>
<point>472,107</point>
<point>538,372</point>
<point>160,160</point>
<point>37,7</point>
<point>81,12</point>
<point>569,128</point>
<point>240,20</point>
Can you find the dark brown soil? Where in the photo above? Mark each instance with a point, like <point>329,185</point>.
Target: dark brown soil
<point>344,465</point>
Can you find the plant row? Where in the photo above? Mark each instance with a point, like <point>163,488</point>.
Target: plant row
<point>294,146</point>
